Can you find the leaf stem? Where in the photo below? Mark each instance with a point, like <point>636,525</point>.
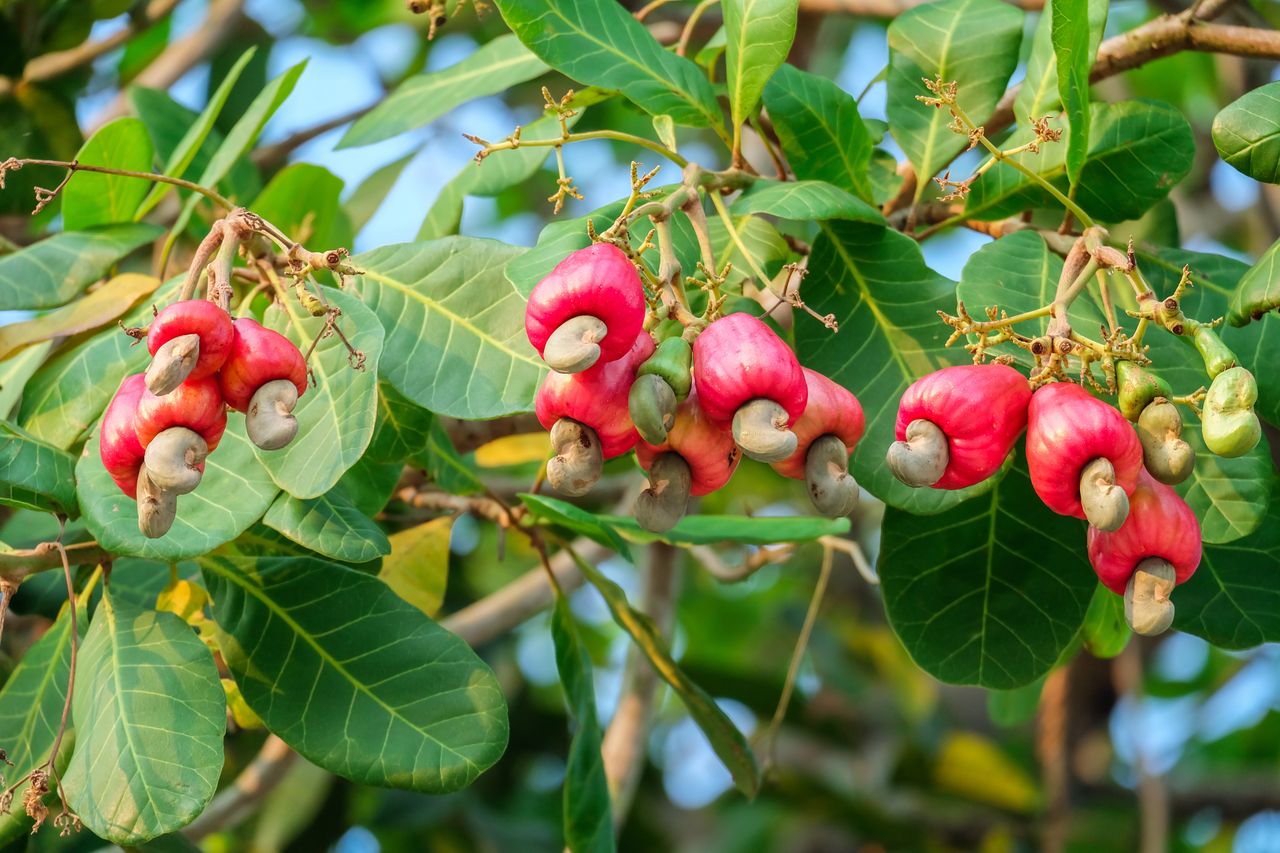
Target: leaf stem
<point>616,135</point>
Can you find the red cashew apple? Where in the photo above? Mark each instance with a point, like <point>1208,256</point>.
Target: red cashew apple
<point>1157,547</point>
<point>263,376</point>
<point>588,417</point>
<point>589,308</point>
<point>698,457</point>
<point>1084,457</point>
<point>178,431</point>
<point>745,374</point>
<point>827,432</point>
<point>118,444</point>
<point>187,340</point>
<point>957,425</point>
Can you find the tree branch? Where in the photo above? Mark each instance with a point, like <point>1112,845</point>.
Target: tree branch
<point>271,157</point>
<point>60,62</point>
<point>885,8</point>
<point>239,799</point>
<point>16,565</point>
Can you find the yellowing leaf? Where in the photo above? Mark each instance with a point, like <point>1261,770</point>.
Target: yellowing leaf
<point>513,450</point>
<point>99,308</point>
<point>240,710</point>
<point>418,568</point>
<point>975,767</point>
<point>185,599</point>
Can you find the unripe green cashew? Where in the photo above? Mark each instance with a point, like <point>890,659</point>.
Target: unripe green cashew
<point>157,507</point>
<point>661,506</point>
<point>172,363</point>
<point>826,474</point>
<point>575,346</point>
<point>578,460</point>
<point>922,458</point>
<point>1138,388</point>
<point>1166,456</point>
<point>1105,504</point>
<point>760,429</point>
<point>1147,607</point>
<point>671,361</point>
<point>1217,355</point>
<point>1228,424</point>
<point>652,404</point>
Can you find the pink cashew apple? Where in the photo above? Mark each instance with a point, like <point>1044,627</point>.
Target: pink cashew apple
<point>187,340</point>
<point>264,375</point>
<point>698,457</point>
<point>827,432</point>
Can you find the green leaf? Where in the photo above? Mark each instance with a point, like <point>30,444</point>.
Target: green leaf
<point>821,131</point>
<point>34,475</point>
<point>445,465</point>
<point>95,199</point>
<point>403,428</point>
<point>1038,95</point>
<point>1072,34</point>
<point>874,280</point>
<point>330,525</point>
<point>303,199</point>
<point>371,484</point>
<point>57,269</point>
<point>30,711</point>
<point>990,592</point>
<point>805,201</point>
<point>418,566</point>
<point>1105,633</point>
<point>372,191</point>
<point>150,715</point>
<point>1258,291</point>
<point>758,37</point>
<point>1232,600</point>
<point>356,680</point>
<point>577,519</point>
<point>1138,151</point>
<point>234,493</point>
<point>1016,707</point>
<point>193,140</point>
<point>423,98</point>
<point>98,308</point>
<point>337,414</point>
<point>598,43</point>
<point>455,326</point>
<point>1247,133</point>
<point>588,820</point>
<point>725,739</point>
<point>739,529</point>
<point>16,372</point>
<point>973,43</point>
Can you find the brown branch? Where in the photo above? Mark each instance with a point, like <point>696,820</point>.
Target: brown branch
<point>468,435</point>
<point>243,796</point>
<point>60,62</point>
<point>885,8</point>
<point>271,157</point>
<point>15,565</point>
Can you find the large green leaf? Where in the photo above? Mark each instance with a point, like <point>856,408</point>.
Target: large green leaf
<point>56,270</point>
<point>820,128</point>
<point>1073,25</point>
<point>30,712</point>
<point>805,201</point>
<point>1038,95</point>
<point>16,372</point>
<point>353,678</point>
<point>990,592</point>
<point>403,428</point>
<point>1257,293</point>
<point>739,529</point>
<point>758,37</point>
<point>364,202</point>
<point>973,43</point>
<point>455,326</point>
<point>598,43</point>
<point>235,492</point>
<point>423,98</point>
<point>35,475</point>
<point>418,565</point>
<point>575,518</point>
<point>150,715</point>
<point>336,415</point>
<point>1247,133</point>
<point>329,525</point>
<point>302,200</point>
<point>874,280</point>
<point>588,821</point>
<point>1138,151</point>
<point>95,199</point>
<point>445,466</point>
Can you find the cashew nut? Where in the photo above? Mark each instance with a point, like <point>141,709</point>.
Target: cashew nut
<point>1147,607</point>
<point>173,460</point>
<point>1167,457</point>
<point>578,460</point>
<point>826,472</point>
<point>661,506</point>
<point>760,429</point>
<point>922,458</point>
<point>172,363</point>
<point>1105,504</point>
<point>269,419</point>
<point>653,407</point>
<point>157,507</point>
<point>575,346</point>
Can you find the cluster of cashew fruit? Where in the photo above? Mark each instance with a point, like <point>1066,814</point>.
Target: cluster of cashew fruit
<point>689,402</point>
<point>162,425</point>
<point>957,426</point>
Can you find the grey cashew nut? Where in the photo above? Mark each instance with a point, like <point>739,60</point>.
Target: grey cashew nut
<point>575,346</point>
<point>661,506</point>
<point>1166,456</point>
<point>760,429</point>
<point>1105,504</point>
<point>826,473</point>
<point>578,460</point>
<point>173,460</point>
<point>269,419</point>
<point>652,404</point>
<point>921,459</point>
<point>157,507</point>
<point>1147,607</point>
<point>172,363</point>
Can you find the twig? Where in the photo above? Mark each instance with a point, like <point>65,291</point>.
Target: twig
<point>271,157</point>
<point>73,166</point>
<point>687,33</point>
<point>242,797</point>
<point>16,565</point>
<point>55,64</point>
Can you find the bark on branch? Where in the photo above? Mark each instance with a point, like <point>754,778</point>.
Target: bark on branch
<point>60,62</point>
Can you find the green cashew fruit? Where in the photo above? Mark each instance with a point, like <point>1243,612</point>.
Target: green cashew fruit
<point>1217,355</point>
<point>1229,426</point>
<point>1138,388</point>
<point>1257,294</point>
<point>671,361</point>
